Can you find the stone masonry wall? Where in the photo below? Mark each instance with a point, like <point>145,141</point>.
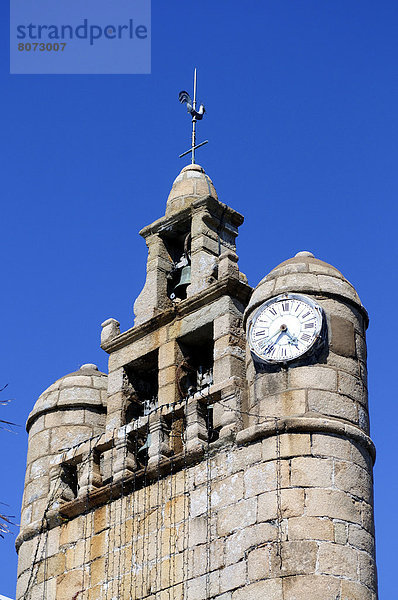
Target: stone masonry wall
<point>275,519</point>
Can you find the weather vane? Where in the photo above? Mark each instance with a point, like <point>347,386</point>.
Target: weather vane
<point>197,115</point>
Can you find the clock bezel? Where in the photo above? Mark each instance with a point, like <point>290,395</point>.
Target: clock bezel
<point>287,296</point>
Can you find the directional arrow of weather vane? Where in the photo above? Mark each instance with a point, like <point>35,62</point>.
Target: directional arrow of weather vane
<point>197,115</point>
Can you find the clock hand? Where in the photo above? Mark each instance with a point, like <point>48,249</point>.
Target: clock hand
<point>265,342</point>
<point>269,346</point>
<point>294,340</point>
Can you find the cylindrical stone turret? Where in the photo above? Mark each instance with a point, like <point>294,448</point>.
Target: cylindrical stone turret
<point>67,413</point>
<point>313,413</point>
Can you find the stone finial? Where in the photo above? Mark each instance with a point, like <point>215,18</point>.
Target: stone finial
<point>89,367</point>
<point>110,329</point>
<point>305,253</point>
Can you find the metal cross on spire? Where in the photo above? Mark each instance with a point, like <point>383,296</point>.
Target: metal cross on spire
<point>197,115</point>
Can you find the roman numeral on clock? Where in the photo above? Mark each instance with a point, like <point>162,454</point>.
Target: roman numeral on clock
<point>305,337</point>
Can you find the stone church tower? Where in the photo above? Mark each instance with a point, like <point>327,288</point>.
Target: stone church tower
<point>226,454</point>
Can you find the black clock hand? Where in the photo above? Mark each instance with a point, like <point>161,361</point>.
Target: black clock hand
<point>265,342</point>
<point>294,340</point>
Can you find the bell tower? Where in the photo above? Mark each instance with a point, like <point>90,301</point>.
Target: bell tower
<point>225,454</point>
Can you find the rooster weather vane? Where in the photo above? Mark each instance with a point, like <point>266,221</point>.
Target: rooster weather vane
<point>197,115</point>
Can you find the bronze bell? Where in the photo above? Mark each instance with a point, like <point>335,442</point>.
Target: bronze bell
<point>185,278</point>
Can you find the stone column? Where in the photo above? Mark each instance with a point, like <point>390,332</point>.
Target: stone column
<point>159,447</point>
<point>153,297</point>
<point>196,430</point>
<point>204,252</point>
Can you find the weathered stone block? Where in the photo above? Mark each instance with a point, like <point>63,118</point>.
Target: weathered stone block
<point>361,539</point>
<point>333,504</point>
<point>367,570</point>
<point>227,491</point>
<point>199,587</point>
<point>233,577</point>
<point>315,377</point>
<point>97,571</point>
<point>335,559</point>
<point>66,437</point>
<point>37,426</point>
<point>260,478</point>
<point>310,528</point>
<point>101,521</point>
<point>335,405</point>
<point>76,555</point>
<point>258,563</point>
<point>271,384</point>
<point>295,444</point>
<point>342,338</point>
<point>311,472</point>
<point>38,508</point>
<point>51,567</point>
<point>38,488</point>
<point>82,394</point>
<point>64,417</point>
<point>243,515</point>
<point>99,545</point>
<point>328,445</point>
<point>238,543</point>
<point>231,365</point>
<point>292,504</point>
<point>297,558</point>
<point>367,517</point>
<point>353,479</point>
<point>167,376</point>
<point>231,322</point>
<point>361,349</point>
<point>289,403</point>
<point>39,445</point>
<point>198,502</point>
<point>360,456</point>
<point>52,542</point>
<point>40,467</point>
<point>168,394</point>
<point>175,511</point>
<point>355,591</point>
<point>26,515</point>
<point>96,593</point>
<point>352,387</point>
<point>69,584</point>
<point>316,587</point>
<point>25,553</point>
<point>22,585</point>
<point>298,282</point>
<point>340,533</point>
<point>197,533</point>
<point>239,459</point>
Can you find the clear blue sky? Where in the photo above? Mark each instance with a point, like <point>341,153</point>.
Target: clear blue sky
<point>303,127</point>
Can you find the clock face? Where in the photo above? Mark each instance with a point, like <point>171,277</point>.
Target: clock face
<point>284,328</point>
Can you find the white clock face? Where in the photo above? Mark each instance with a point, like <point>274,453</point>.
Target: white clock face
<point>284,328</point>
